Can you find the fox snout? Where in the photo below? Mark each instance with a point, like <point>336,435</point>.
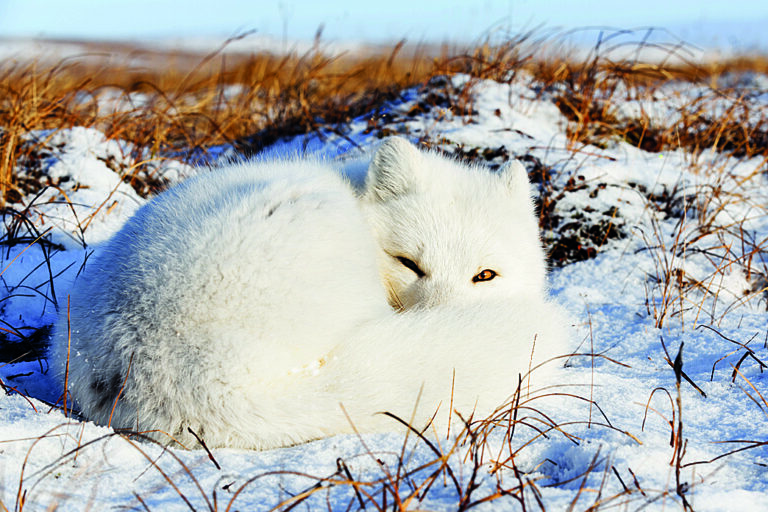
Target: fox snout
<point>430,292</point>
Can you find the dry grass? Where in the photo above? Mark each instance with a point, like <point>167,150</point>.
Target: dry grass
<point>478,465</point>
<point>177,106</point>
<point>183,103</point>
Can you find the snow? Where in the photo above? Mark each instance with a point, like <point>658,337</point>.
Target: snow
<point>616,411</point>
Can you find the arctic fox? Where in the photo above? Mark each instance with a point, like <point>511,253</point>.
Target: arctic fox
<point>246,305</point>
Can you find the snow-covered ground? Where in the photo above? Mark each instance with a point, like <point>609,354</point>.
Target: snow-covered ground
<point>687,266</point>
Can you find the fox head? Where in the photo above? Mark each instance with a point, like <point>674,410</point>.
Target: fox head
<point>451,232</point>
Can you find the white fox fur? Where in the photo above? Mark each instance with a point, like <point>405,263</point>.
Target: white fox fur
<point>246,304</point>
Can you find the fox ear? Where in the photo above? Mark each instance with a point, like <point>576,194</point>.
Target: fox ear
<point>516,178</point>
<point>393,169</point>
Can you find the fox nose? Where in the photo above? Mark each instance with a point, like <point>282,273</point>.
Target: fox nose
<point>435,292</point>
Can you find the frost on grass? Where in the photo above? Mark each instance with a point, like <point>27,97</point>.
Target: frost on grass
<point>661,256</point>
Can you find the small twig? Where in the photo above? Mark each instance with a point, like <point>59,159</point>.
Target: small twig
<point>342,467</point>
<point>679,370</point>
<point>120,392</point>
<point>205,447</point>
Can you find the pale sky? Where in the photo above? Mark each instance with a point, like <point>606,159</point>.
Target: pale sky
<point>738,23</point>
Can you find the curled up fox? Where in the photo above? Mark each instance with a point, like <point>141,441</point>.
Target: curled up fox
<point>267,304</point>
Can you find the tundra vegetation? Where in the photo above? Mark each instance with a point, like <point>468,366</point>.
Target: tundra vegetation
<point>701,221</point>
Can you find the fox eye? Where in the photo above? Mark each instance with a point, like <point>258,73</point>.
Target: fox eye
<point>411,265</point>
<point>484,275</point>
